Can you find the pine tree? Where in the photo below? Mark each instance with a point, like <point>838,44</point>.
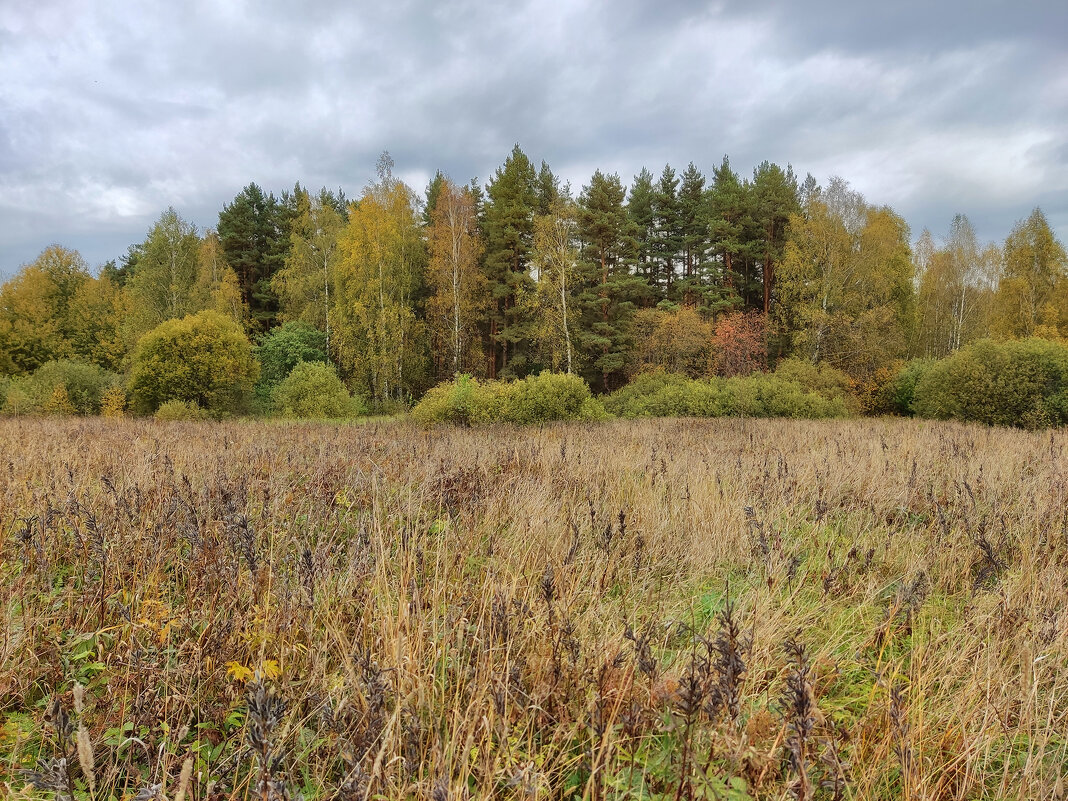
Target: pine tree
<point>693,218</point>
<point>610,291</point>
<point>667,229</point>
<point>727,210</point>
<point>508,229</point>
<point>775,199</point>
<point>640,212</point>
<point>254,230</point>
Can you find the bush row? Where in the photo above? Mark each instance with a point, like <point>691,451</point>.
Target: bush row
<point>1021,383</point>
<point>796,389</point>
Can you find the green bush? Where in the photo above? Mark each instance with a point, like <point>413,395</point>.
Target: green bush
<point>901,390</point>
<point>203,358</point>
<point>282,349</point>
<point>313,390</point>
<point>660,394</point>
<point>826,381</point>
<point>1021,383</point>
<point>772,395</point>
<point>546,397</point>
<point>17,398</point>
<point>59,387</point>
<point>540,398</point>
<point>172,410</point>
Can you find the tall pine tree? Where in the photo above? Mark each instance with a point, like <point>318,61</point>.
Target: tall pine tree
<point>508,229</point>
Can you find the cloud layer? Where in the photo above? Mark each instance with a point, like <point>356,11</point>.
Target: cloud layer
<point>110,112</point>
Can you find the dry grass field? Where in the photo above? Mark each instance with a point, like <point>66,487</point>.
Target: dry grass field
<point>650,610</point>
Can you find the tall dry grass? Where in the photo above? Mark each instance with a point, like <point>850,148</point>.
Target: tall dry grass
<point>661,609</point>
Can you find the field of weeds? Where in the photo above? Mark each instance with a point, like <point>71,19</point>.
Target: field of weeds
<point>657,610</point>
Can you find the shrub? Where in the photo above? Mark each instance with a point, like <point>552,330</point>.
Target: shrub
<point>59,403</point>
<point>203,359</point>
<point>901,389</point>
<point>180,410</point>
<point>762,395</point>
<point>535,399</point>
<point>83,384</point>
<point>113,402</point>
<point>1020,383</point>
<point>823,379</point>
<point>546,397</point>
<point>313,390</point>
<point>283,348</point>
<point>757,395</point>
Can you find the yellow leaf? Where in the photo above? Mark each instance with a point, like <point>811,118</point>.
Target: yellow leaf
<point>271,669</point>
<point>235,670</point>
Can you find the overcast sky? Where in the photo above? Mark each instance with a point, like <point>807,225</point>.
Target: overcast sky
<point>111,111</point>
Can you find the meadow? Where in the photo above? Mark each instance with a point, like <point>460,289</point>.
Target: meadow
<point>656,609</point>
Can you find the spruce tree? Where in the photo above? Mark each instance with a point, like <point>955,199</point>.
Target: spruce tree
<point>508,229</point>
<point>610,291</point>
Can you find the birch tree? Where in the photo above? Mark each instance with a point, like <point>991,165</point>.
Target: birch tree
<point>459,289</point>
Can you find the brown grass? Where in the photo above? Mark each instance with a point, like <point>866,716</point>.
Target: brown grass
<point>662,609</point>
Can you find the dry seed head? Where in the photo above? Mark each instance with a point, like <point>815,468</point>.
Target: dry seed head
<point>85,756</point>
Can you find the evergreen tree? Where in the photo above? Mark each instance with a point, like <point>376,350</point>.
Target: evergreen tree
<point>508,230</point>
<point>254,230</point>
<point>640,212</point>
<point>694,227</point>
<point>728,209</point>
<point>610,291</point>
<point>774,200</point>
<point>667,229</point>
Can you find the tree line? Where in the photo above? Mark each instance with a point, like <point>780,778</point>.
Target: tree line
<point>699,275</point>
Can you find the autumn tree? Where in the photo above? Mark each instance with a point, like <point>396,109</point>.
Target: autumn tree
<point>160,286</point>
<point>676,340</point>
<point>846,281</point>
<point>380,266</point>
<point>741,345</point>
<point>40,311</point>
<point>956,288</point>
<point>551,304</point>
<point>1033,291</point>
<point>178,273</point>
<point>458,288</point>
<point>307,280</point>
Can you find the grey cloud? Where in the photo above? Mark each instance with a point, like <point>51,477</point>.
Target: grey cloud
<point>119,111</point>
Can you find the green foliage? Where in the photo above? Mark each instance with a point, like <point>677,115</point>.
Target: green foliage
<point>1020,383</point>
<point>204,358</point>
<point>659,394</point>
<point>901,390</point>
<point>58,387</point>
<point>541,398</point>
<point>823,379</point>
<point>180,410</point>
<point>313,390</point>
<point>283,349</point>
